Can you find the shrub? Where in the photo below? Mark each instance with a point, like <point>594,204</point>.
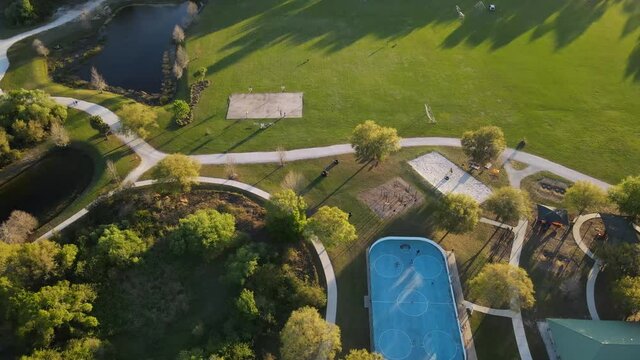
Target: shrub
<point>205,231</point>
<point>181,112</point>
<point>286,215</point>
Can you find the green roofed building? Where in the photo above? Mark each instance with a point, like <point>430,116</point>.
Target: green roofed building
<point>595,339</point>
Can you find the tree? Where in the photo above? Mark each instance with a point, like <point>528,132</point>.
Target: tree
<point>39,47</point>
<point>59,309</point>
<point>500,284</point>
<point>112,170</point>
<point>30,105</point>
<point>178,34</point>
<point>307,336</point>
<point>97,123</point>
<point>331,226</point>
<point>137,118</point>
<point>180,110</point>
<point>242,264</point>
<point>203,231</point>
<point>246,305</point>
<point>18,227</point>
<point>293,181</point>
<point>192,9</point>
<point>21,12</point>
<point>182,58</point>
<point>34,264</point>
<point>97,81</point>
<point>76,349</point>
<point>28,133</point>
<point>374,142</point>
<point>177,70</point>
<point>59,136</point>
<point>483,145</point>
<point>286,215</point>
<point>7,154</point>
<point>458,213</point>
<point>584,195</point>
<point>120,247</point>
<point>236,351</point>
<point>178,169</point>
<point>201,73</point>
<point>621,259</point>
<point>626,291</point>
<point>626,195</point>
<point>509,204</point>
<point>363,354</point>
<point>282,155</point>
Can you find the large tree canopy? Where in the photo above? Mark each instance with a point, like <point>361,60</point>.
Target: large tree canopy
<point>120,247</point>
<point>483,145</point>
<point>34,264</point>
<point>627,196</point>
<point>205,231</point>
<point>374,142</point>
<point>307,336</point>
<point>286,215</point>
<point>509,204</point>
<point>331,226</point>
<point>138,119</point>
<point>585,195</point>
<point>178,169</point>
<point>63,307</point>
<point>498,284</point>
<point>28,116</point>
<point>627,293</point>
<point>458,213</point>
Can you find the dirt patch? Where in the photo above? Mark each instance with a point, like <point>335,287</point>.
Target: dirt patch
<point>391,198</point>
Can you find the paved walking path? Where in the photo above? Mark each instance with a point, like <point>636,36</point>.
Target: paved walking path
<point>516,176</point>
<point>595,269</point>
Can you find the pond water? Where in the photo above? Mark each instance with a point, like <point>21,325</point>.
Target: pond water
<point>136,38</point>
<point>48,186</point>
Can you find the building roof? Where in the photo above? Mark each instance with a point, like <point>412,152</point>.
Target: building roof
<point>595,339</point>
<point>551,214</point>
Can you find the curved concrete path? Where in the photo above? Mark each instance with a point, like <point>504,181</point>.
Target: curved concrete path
<point>325,261</point>
<point>595,269</point>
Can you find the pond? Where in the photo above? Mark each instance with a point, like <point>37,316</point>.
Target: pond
<point>136,39</point>
<point>48,186</point>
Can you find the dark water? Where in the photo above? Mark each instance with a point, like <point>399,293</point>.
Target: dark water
<point>48,186</point>
<point>136,38</point>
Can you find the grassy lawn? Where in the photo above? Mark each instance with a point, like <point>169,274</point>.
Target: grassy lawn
<point>101,150</point>
<point>529,68</point>
<point>493,337</point>
<point>341,188</point>
<point>377,60</point>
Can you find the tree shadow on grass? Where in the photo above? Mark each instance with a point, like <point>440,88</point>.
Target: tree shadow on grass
<point>332,25</point>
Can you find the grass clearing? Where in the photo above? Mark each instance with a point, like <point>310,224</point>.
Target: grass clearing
<point>359,60</point>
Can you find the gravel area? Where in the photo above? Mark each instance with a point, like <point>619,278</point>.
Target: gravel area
<point>435,168</point>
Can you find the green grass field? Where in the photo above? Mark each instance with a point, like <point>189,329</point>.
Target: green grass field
<point>561,73</point>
